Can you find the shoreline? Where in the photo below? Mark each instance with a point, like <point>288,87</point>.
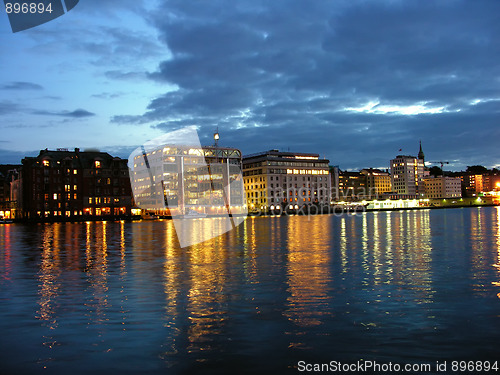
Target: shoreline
<point>334,210</point>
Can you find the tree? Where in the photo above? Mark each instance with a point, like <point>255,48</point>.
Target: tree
<point>435,171</point>
<point>476,169</point>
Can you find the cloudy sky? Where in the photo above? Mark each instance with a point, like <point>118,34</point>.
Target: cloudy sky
<point>354,81</point>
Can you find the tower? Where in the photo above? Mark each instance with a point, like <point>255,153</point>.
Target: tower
<point>421,153</point>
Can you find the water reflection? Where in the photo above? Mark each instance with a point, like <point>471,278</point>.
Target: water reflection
<point>308,270</point>
<point>6,254</point>
<point>50,270</point>
<point>497,242</point>
<point>381,283</point>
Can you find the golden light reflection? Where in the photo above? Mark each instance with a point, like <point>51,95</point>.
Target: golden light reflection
<point>206,299</point>
<point>497,235</point>
<point>480,259</point>
<point>97,270</point>
<point>308,269</point>
<point>343,244</point>
<point>50,270</point>
<point>249,248</point>
<point>5,252</point>
<point>173,270</point>
<point>412,260</point>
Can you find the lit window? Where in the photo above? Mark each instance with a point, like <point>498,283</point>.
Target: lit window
<point>46,163</point>
<point>97,164</point>
<point>55,196</point>
<point>75,171</point>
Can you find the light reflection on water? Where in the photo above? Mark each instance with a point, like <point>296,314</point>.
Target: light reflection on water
<point>407,286</point>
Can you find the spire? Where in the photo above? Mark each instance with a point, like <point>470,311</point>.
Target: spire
<point>421,153</point>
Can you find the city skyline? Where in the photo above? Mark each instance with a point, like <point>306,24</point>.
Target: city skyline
<point>343,80</point>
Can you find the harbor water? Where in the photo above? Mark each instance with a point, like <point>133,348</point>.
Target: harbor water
<point>124,298</point>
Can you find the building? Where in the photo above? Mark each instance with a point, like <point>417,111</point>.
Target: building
<point>491,181</point>
<point>407,176</point>
<point>278,180</point>
<point>174,180</point>
<point>377,182</point>
<point>443,187</point>
<point>72,185</point>
<point>8,196</point>
<point>352,186</point>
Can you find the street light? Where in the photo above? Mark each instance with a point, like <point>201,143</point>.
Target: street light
<point>216,138</point>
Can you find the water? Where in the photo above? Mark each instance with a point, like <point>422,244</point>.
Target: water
<point>123,298</point>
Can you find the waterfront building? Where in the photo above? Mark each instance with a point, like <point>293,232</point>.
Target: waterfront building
<point>68,185</point>
<point>352,186</point>
<point>377,182</point>
<point>174,180</point>
<point>8,196</point>
<point>491,181</point>
<point>474,183</point>
<point>407,176</point>
<point>280,180</point>
<point>443,187</point>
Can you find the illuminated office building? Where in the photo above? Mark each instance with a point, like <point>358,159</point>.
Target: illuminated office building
<point>277,180</point>
<point>443,187</point>
<point>175,180</point>
<point>377,182</point>
<point>407,176</point>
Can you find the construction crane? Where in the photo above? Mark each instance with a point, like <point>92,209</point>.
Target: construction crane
<point>440,162</point>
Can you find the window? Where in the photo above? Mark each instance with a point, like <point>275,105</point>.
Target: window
<point>97,164</point>
<point>46,163</point>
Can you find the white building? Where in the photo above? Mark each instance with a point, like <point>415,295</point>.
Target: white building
<point>407,175</point>
<point>443,187</point>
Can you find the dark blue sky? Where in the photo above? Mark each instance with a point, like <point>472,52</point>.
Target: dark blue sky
<point>354,81</point>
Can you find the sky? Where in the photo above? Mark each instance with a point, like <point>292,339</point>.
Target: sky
<point>354,81</point>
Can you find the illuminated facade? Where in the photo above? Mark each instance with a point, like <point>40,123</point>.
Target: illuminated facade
<point>73,185</point>
<point>8,191</point>
<point>352,186</point>
<point>377,182</point>
<point>175,180</point>
<point>407,176</point>
<point>277,180</point>
<point>443,187</point>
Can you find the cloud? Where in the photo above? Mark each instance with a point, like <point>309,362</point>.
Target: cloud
<point>20,86</point>
<point>77,113</point>
<point>8,107</point>
<point>338,78</point>
<point>116,74</point>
